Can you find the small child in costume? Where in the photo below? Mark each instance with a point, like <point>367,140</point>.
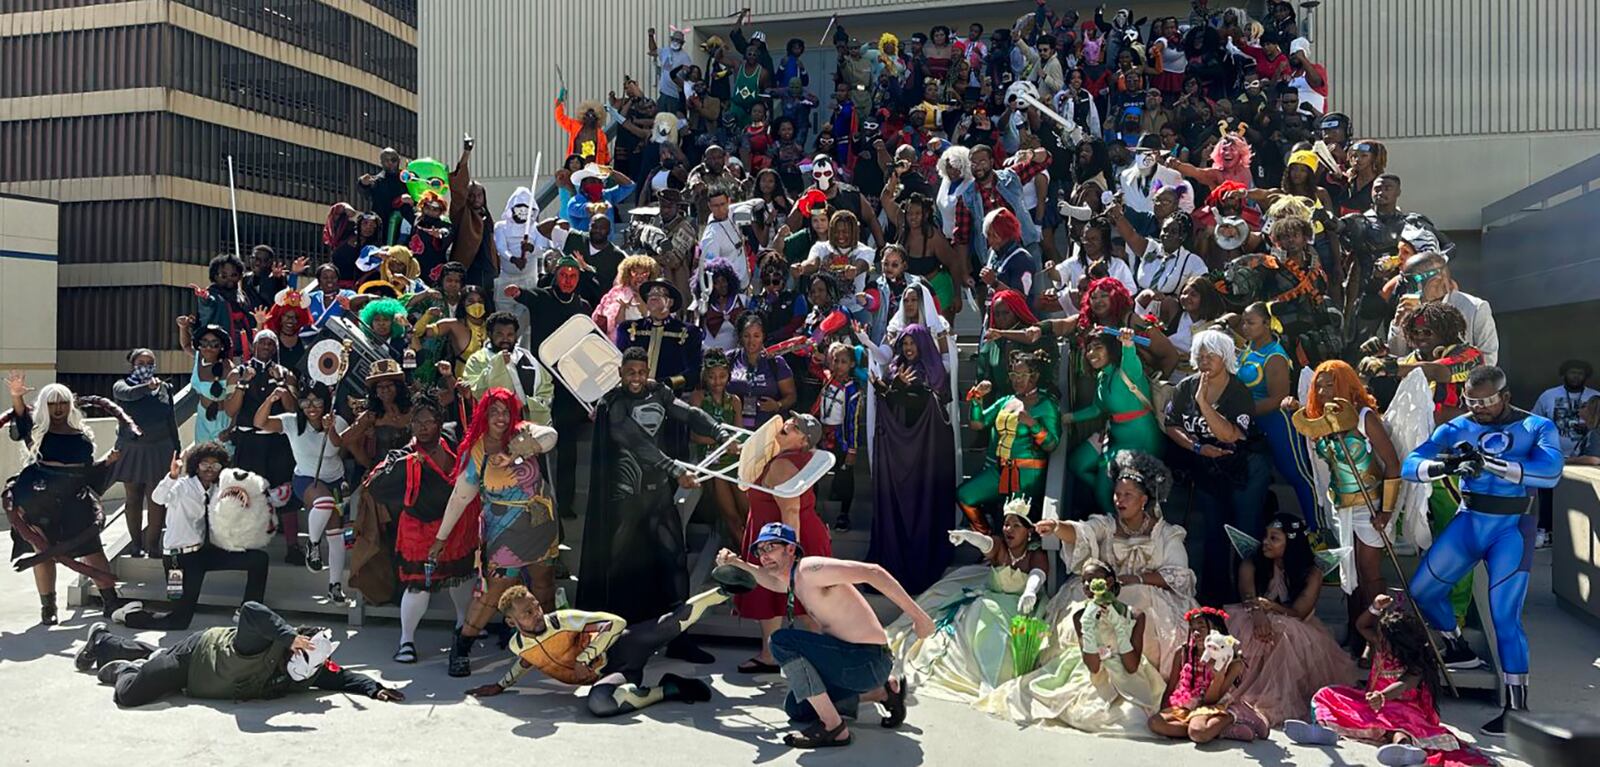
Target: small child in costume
<point>723,407</point>
<point>1200,700</point>
<point>840,410</point>
<point>1397,708</point>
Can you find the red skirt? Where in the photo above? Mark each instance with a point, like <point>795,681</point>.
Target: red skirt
<point>1169,83</point>
<point>762,604</point>
<point>457,562</point>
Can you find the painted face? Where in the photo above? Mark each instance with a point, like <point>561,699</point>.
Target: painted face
<point>659,302</point>
<point>567,279</point>
<point>635,374</point>
<point>426,174</point>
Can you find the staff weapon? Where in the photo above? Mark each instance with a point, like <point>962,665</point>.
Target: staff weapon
<point>1372,508</point>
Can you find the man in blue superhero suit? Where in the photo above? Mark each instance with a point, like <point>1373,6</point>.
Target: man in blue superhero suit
<point>1502,454</point>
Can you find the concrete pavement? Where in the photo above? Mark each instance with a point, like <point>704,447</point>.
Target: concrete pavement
<point>56,716</point>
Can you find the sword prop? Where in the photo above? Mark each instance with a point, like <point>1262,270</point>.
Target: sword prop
<point>832,20</point>
<point>533,204</point>
<point>1388,548</point>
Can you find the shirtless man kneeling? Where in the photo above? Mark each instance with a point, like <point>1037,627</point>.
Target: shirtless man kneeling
<point>847,660</point>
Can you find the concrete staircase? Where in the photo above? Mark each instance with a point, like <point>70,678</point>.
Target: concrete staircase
<point>295,589</point>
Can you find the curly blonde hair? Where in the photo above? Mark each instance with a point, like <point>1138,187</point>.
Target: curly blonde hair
<point>633,263</point>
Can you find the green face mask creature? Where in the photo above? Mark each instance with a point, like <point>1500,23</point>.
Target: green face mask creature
<point>426,174</point>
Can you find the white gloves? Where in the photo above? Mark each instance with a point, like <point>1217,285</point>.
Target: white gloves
<point>1030,592</point>
<point>977,540</point>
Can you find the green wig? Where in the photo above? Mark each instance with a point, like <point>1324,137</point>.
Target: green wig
<point>386,307</point>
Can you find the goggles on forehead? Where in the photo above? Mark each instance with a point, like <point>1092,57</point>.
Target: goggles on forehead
<point>1488,401</point>
<point>1363,147</point>
<point>407,176</point>
<point>1419,278</point>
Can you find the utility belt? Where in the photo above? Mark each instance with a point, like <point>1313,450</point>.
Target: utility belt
<point>1496,504</point>
<point>1356,499</point>
<point>181,550</point>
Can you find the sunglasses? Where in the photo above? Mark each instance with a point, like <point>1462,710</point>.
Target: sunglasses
<point>1489,401</point>
<point>210,465</point>
<point>209,345</point>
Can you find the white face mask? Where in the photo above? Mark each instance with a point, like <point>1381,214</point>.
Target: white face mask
<point>823,176</point>
<point>519,213</point>
<point>677,45</point>
<point>1146,163</point>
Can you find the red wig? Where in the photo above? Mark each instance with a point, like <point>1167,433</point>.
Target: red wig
<point>1121,303</point>
<point>480,421</point>
<point>1016,303</point>
<point>1223,190</point>
<point>1004,224</point>
<point>290,301</point>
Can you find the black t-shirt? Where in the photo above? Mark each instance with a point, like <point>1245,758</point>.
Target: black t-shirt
<point>1234,405</point>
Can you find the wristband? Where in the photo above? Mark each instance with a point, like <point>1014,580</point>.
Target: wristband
<point>1195,447</point>
<point>1374,610</point>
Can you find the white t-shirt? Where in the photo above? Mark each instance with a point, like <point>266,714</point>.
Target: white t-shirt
<point>670,60</point>
<point>311,446</point>
<point>1167,275</point>
<point>822,253</point>
<point>1564,408</point>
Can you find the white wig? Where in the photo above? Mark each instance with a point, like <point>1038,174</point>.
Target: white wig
<point>49,395</point>
<point>1216,342</point>
<point>957,157</point>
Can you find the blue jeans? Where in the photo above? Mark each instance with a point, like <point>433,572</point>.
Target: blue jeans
<point>816,663</point>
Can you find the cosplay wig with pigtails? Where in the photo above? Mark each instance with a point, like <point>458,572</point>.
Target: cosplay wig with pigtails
<point>480,422</point>
<point>1346,386</point>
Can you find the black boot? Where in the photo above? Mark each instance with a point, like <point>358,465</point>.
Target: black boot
<point>684,689</point>
<point>109,601</point>
<point>460,663</point>
<point>1515,698</point>
<point>47,609</point>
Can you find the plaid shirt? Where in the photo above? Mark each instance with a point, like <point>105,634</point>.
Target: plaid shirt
<point>990,193</point>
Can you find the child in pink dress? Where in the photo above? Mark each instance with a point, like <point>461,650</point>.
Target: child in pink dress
<point>1202,704</point>
<point>1397,707</point>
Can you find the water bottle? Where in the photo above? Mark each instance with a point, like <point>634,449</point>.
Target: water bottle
<point>349,537</point>
<point>174,585</point>
<point>561,598</point>
<point>427,573</point>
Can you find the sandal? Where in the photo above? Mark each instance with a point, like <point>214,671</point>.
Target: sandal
<point>758,666</point>
<point>818,736</point>
<point>407,653</point>
<point>894,706</point>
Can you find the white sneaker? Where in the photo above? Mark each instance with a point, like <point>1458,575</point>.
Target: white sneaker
<point>1542,539</point>
<point>1401,755</point>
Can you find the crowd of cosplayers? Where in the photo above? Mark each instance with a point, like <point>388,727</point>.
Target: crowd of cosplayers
<point>1192,277</point>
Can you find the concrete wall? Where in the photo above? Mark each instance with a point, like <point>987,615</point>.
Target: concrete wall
<point>1474,98</point>
<point>28,288</point>
<point>1575,560</point>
